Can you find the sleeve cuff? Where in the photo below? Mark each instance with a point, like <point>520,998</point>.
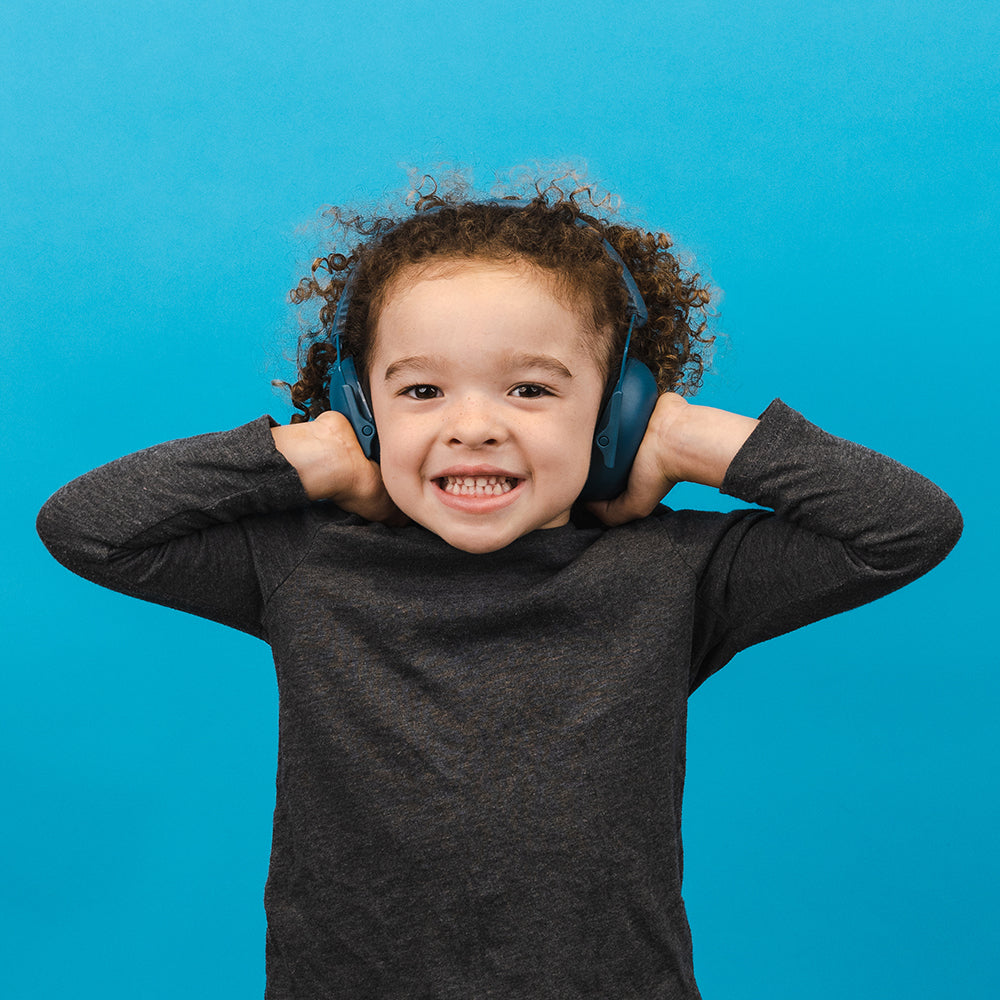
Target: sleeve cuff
<point>780,432</point>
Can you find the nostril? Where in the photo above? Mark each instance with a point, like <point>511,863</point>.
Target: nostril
<point>468,442</point>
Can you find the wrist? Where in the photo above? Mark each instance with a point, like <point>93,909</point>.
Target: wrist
<point>701,442</point>
<point>310,455</point>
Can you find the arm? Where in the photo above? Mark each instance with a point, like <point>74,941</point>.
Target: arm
<point>846,525</point>
<point>886,514</point>
<point>186,524</point>
<point>849,526</point>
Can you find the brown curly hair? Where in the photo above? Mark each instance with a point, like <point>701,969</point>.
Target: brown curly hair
<point>544,233</point>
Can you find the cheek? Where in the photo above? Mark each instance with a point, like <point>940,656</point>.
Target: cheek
<point>585,428</point>
<point>393,431</point>
<point>403,438</point>
<point>400,482</point>
<point>401,456</point>
<point>570,448</point>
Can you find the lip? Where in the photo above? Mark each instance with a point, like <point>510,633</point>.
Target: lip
<point>477,470</point>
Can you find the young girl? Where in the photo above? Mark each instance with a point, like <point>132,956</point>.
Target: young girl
<point>483,681</point>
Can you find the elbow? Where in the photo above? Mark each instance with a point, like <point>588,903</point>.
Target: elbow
<point>61,535</point>
<point>927,529</point>
<point>948,527</point>
<point>48,523</point>
<point>939,532</point>
<point>53,532</point>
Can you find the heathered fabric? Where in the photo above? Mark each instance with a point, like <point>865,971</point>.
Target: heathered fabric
<point>481,757</point>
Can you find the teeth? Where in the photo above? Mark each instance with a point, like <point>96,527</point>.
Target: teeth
<point>477,485</point>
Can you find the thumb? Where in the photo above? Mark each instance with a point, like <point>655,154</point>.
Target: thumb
<point>621,510</point>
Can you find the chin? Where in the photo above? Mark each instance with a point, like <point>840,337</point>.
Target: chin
<point>482,534</point>
<point>472,543</point>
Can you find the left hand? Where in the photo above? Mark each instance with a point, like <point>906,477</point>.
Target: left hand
<point>653,473</point>
<point>682,443</point>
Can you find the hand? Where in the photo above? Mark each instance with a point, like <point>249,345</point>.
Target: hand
<point>651,477</point>
<point>331,465</point>
<point>682,443</point>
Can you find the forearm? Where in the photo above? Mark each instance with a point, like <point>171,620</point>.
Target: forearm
<point>171,490</point>
<point>889,516</point>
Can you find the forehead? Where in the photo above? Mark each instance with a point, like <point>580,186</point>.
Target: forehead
<point>480,306</point>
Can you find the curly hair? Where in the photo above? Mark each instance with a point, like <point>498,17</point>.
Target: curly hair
<point>544,234</point>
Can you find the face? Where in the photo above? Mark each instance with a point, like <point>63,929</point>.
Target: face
<point>485,392</point>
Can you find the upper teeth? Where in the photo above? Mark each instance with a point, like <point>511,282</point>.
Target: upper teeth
<point>478,484</point>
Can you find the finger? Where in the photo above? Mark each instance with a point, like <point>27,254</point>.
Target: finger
<point>372,500</point>
<point>621,510</point>
<point>643,493</point>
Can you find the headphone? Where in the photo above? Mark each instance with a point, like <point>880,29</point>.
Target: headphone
<point>620,425</point>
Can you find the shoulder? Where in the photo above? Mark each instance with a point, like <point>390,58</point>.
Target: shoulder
<point>670,538</point>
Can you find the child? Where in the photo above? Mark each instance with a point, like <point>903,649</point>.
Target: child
<point>483,682</point>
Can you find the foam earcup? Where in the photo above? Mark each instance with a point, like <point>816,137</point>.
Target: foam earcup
<point>620,430</point>
<point>347,397</point>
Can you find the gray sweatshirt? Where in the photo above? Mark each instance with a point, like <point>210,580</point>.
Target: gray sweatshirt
<point>481,757</point>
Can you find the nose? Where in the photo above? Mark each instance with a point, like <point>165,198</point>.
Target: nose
<point>475,422</point>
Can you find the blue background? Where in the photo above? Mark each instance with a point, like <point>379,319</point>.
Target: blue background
<point>833,168</point>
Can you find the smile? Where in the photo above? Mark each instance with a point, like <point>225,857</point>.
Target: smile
<point>471,486</point>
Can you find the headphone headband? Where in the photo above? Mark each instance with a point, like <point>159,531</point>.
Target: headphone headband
<point>638,314</point>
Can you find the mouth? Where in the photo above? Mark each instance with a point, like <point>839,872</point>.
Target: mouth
<point>476,486</point>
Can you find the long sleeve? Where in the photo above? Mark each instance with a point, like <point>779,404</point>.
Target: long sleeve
<point>173,524</point>
<point>849,525</point>
<point>461,735</point>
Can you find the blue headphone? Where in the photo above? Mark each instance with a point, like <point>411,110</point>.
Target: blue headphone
<point>620,425</point>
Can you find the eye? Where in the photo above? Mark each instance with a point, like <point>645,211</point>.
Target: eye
<point>529,390</point>
<point>421,391</point>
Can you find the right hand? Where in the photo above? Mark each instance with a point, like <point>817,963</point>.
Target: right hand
<point>331,465</point>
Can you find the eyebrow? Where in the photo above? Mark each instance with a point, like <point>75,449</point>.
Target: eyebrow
<point>514,361</point>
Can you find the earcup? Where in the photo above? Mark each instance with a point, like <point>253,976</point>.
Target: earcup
<point>620,426</point>
<point>620,430</point>
<point>347,397</point>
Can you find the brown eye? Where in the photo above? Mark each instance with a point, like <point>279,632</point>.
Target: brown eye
<point>529,390</point>
<point>422,392</point>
